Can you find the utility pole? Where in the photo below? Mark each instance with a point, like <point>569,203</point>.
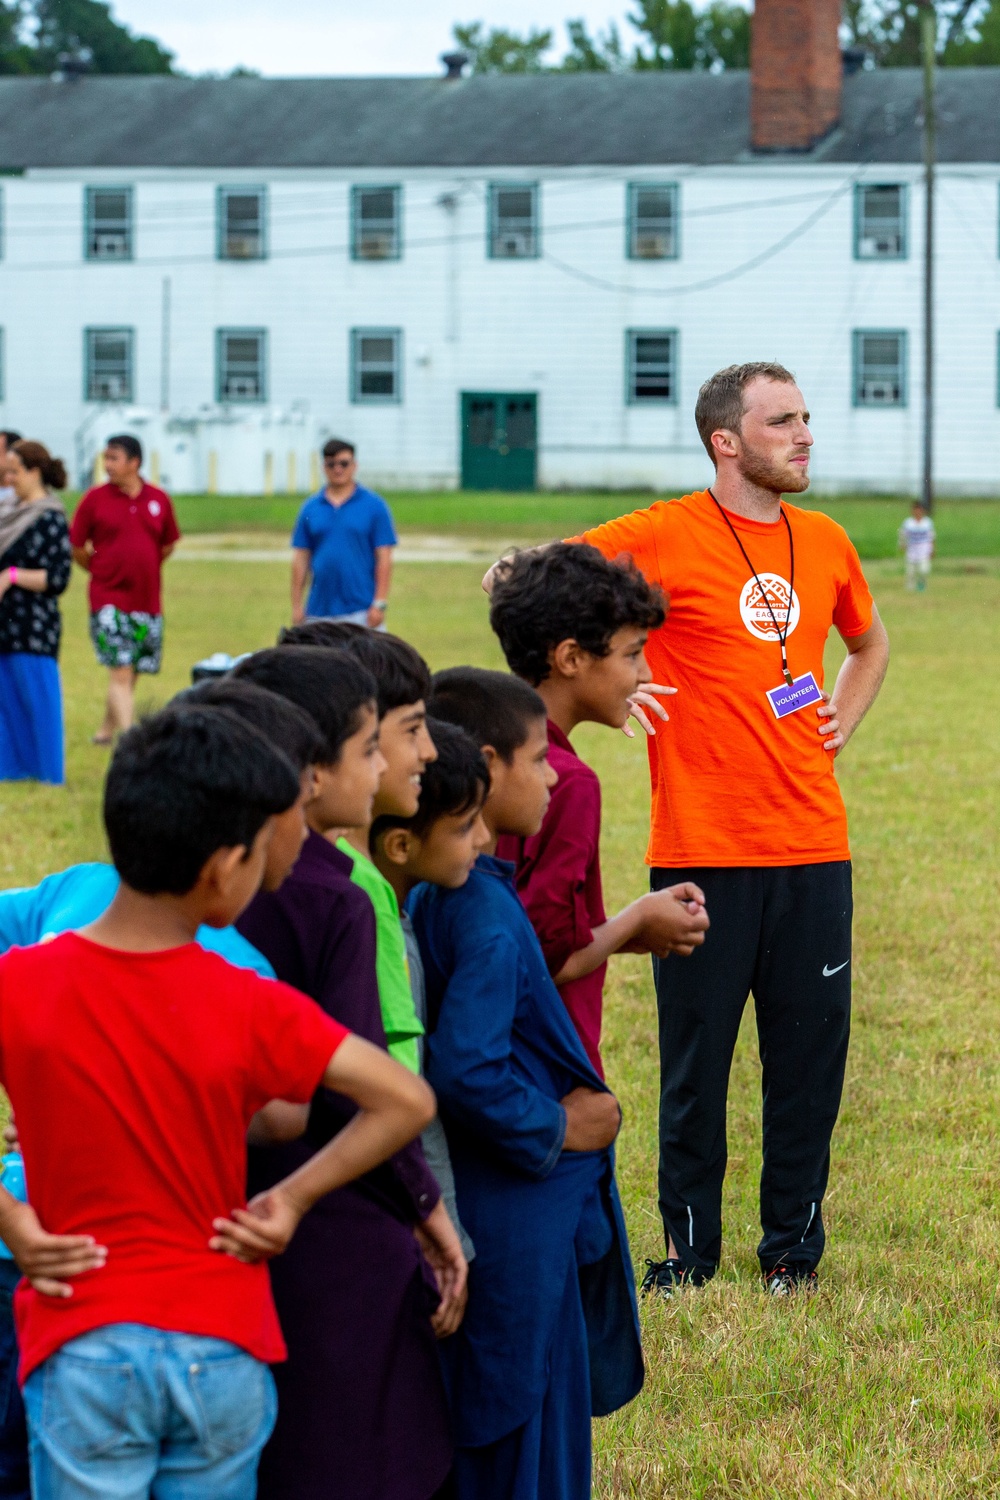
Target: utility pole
<point>928,41</point>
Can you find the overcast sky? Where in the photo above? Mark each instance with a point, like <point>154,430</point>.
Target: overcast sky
<point>282,37</point>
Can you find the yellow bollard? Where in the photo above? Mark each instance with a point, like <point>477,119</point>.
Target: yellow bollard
<point>268,473</point>
<point>314,470</point>
<point>292,476</point>
<point>154,467</point>
<point>99,475</point>
<point>213,472</point>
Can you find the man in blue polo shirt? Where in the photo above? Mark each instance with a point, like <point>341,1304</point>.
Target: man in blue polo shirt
<point>344,538</point>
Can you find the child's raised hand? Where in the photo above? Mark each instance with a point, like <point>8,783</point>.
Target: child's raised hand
<point>261,1230</point>
<point>674,920</point>
<point>643,699</point>
<point>45,1259</point>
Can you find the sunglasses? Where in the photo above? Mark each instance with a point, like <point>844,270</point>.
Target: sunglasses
<point>337,463</point>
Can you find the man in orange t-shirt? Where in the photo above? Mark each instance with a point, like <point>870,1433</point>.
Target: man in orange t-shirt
<point>745,802</point>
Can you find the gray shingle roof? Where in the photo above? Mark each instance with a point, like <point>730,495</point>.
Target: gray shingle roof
<point>561,120</point>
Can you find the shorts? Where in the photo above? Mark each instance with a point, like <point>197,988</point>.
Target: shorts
<point>127,639</point>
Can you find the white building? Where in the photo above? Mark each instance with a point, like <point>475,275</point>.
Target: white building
<point>501,280</point>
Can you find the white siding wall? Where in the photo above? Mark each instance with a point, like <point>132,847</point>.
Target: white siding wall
<point>471,323</point>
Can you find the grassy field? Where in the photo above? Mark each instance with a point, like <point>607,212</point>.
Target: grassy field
<point>887,1383</point>
<point>966,528</point>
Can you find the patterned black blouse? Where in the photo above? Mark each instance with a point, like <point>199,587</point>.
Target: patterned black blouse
<point>31,622</point>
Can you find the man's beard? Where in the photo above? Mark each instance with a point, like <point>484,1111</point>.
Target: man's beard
<point>778,478</point>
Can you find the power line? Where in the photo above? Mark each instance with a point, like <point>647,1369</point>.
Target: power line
<point>711,281</point>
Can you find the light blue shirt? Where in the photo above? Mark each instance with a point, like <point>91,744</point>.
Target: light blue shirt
<point>81,894</point>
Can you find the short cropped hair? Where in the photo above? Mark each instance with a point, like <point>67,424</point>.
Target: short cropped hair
<point>130,446</point>
<point>333,446</point>
<point>400,672</point>
<point>183,784</point>
<point>287,726</point>
<point>720,400</point>
<point>494,707</point>
<point>569,591</point>
<point>456,783</point>
<point>330,686</point>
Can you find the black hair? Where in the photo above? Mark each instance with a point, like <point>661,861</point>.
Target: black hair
<point>400,672</point>
<point>330,686</point>
<point>494,707</point>
<point>130,446</point>
<point>287,726</point>
<point>456,783</point>
<point>10,436</point>
<point>37,456</point>
<point>569,591</point>
<point>333,446</point>
<point>183,784</point>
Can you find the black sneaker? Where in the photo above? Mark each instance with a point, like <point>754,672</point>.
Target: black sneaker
<point>668,1276</point>
<point>788,1281</point>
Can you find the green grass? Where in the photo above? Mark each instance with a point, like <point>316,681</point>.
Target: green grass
<point>887,1383</point>
<point>966,528</point>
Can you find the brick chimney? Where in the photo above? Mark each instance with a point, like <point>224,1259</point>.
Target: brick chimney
<point>795,73</point>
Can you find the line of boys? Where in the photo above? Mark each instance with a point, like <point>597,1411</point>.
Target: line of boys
<point>145,1326</point>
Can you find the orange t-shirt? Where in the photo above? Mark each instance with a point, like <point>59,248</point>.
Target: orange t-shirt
<point>732,784</point>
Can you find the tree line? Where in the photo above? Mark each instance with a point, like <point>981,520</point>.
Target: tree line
<point>673,34</point>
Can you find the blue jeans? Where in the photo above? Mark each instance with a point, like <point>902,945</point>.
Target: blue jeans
<point>127,1412</point>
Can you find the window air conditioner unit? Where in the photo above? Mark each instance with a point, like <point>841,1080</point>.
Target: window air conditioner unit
<point>242,246</point>
<point>880,392</point>
<point>376,244</point>
<point>652,244</point>
<point>110,244</point>
<point>110,388</point>
<point>242,388</point>
<point>515,243</point>
<point>879,245</point>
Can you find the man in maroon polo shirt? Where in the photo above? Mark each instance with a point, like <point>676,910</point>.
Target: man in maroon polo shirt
<point>122,534</point>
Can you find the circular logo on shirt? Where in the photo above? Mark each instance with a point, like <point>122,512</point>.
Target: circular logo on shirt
<point>154,507</point>
<point>776,603</point>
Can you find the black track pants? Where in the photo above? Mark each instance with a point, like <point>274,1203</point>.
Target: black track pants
<point>783,935</point>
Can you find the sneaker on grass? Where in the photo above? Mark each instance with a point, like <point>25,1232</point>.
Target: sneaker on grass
<point>668,1276</point>
<point>786,1281</point>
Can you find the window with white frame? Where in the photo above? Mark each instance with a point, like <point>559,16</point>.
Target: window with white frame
<point>880,221</point>
<point>242,215</point>
<point>108,364</point>
<point>240,365</point>
<point>376,223</point>
<point>376,365</point>
<point>514,232</point>
<point>652,221</point>
<point>651,366</point>
<point>108,223</point>
<point>880,367</point>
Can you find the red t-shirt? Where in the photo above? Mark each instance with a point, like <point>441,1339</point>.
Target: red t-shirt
<point>559,881</point>
<point>133,1077</point>
<point>128,536</point>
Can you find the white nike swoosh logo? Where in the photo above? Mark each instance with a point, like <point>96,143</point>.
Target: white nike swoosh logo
<point>827,971</point>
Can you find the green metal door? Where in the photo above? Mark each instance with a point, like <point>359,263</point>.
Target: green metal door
<point>499,440</point>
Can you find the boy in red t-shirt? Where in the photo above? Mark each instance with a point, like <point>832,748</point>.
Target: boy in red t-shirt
<point>135,1062</point>
<point>122,533</point>
<point>575,625</point>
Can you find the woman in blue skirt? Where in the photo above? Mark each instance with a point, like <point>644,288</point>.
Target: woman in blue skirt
<point>35,562</point>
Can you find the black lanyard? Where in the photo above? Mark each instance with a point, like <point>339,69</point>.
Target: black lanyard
<point>782,634</point>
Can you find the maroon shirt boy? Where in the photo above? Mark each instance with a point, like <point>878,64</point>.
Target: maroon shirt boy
<point>559,882</point>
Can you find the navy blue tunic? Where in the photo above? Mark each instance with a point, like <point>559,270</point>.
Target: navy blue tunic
<point>552,1271</point>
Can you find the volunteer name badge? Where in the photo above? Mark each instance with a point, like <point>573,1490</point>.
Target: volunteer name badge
<point>791,696</point>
